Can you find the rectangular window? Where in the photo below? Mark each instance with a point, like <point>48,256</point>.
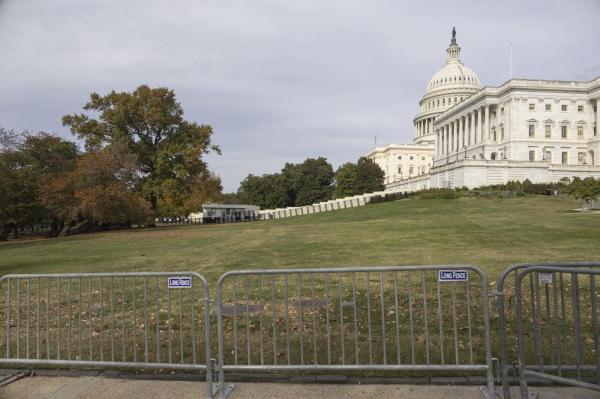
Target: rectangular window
<point>580,108</point>
<point>502,134</point>
<point>531,130</point>
<point>548,130</point>
<point>548,107</point>
<point>399,170</point>
<point>595,131</point>
<point>411,158</point>
<point>564,157</point>
<point>563,132</point>
<point>532,155</point>
<point>532,107</point>
<point>400,157</point>
<point>580,132</point>
<point>548,156</point>
<point>581,158</point>
<point>563,107</point>
<point>502,110</point>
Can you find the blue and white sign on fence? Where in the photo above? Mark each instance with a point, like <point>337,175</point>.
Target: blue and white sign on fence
<point>453,275</point>
<point>180,282</point>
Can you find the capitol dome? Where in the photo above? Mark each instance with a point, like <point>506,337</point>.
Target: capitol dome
<point>449,86</point>
<point>453,75</point>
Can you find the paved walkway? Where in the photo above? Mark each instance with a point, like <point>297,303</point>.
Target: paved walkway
<point>115,388</point>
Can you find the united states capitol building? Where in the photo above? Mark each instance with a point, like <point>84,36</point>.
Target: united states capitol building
<point>472,135</point>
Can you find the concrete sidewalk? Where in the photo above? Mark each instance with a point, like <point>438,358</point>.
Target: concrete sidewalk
<point>115,388</point>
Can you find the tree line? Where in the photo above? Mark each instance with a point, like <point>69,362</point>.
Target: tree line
<point>141,159</point>
<point>309,182</point>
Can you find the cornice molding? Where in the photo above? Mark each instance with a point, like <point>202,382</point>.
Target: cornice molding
<point>492,93</point>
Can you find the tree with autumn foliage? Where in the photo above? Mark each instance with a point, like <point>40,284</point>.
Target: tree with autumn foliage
<point>27,160</point>
<point>99,193</point>
<point>168,150</point>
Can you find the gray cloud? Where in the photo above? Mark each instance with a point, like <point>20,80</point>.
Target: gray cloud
<point>278,80</point>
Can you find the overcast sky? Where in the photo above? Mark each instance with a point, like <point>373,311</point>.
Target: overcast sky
<point>279,80</point>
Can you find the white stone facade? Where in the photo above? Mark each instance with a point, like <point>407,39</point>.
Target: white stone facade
<point>524,129</point>
<point>403,161</point>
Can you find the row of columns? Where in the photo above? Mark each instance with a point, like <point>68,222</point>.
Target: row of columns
<point>465,131</point>
<point>598,116</point>
<point>424,126</point>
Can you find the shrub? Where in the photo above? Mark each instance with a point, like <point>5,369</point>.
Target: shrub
<point>390,197</point>
<point>438,193</point>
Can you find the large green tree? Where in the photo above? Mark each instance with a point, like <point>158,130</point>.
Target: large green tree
<point>168,149</point>
<point>346,177</point>
<point>363,177</point>
<point>308,182</point>
<point>266,191</point>
<point>296,185</point>
<point>370,176</point>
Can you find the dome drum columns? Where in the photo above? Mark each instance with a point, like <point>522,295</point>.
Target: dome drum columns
<point>449,86</point>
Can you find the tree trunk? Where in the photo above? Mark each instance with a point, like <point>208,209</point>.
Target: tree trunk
<point>55,228</point>
<point>76,228</point>
<point>16,231</point>
<point>153,206</point>
<point>5,232</point>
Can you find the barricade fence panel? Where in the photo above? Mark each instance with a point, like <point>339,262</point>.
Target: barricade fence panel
<point>395,318</point>
<point>507,320</point>
<point>557,325</point>
<point>142,320</point>
<point>377,318</point>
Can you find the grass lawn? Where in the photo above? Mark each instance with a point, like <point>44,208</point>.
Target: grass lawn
<point>491,234</point>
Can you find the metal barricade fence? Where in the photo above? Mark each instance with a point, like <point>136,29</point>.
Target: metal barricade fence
<point>397,318</point>
<point>507,322</point>
<point>557,329</point>
<point>139,320</point>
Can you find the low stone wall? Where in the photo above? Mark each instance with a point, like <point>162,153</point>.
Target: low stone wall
<point>327,206</point>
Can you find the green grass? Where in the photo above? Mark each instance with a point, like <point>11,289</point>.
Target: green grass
<point>490,234</point>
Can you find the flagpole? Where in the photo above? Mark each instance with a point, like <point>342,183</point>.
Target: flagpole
<point>510,70</point>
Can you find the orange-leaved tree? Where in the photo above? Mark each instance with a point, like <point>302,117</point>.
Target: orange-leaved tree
<point>99,193</point>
